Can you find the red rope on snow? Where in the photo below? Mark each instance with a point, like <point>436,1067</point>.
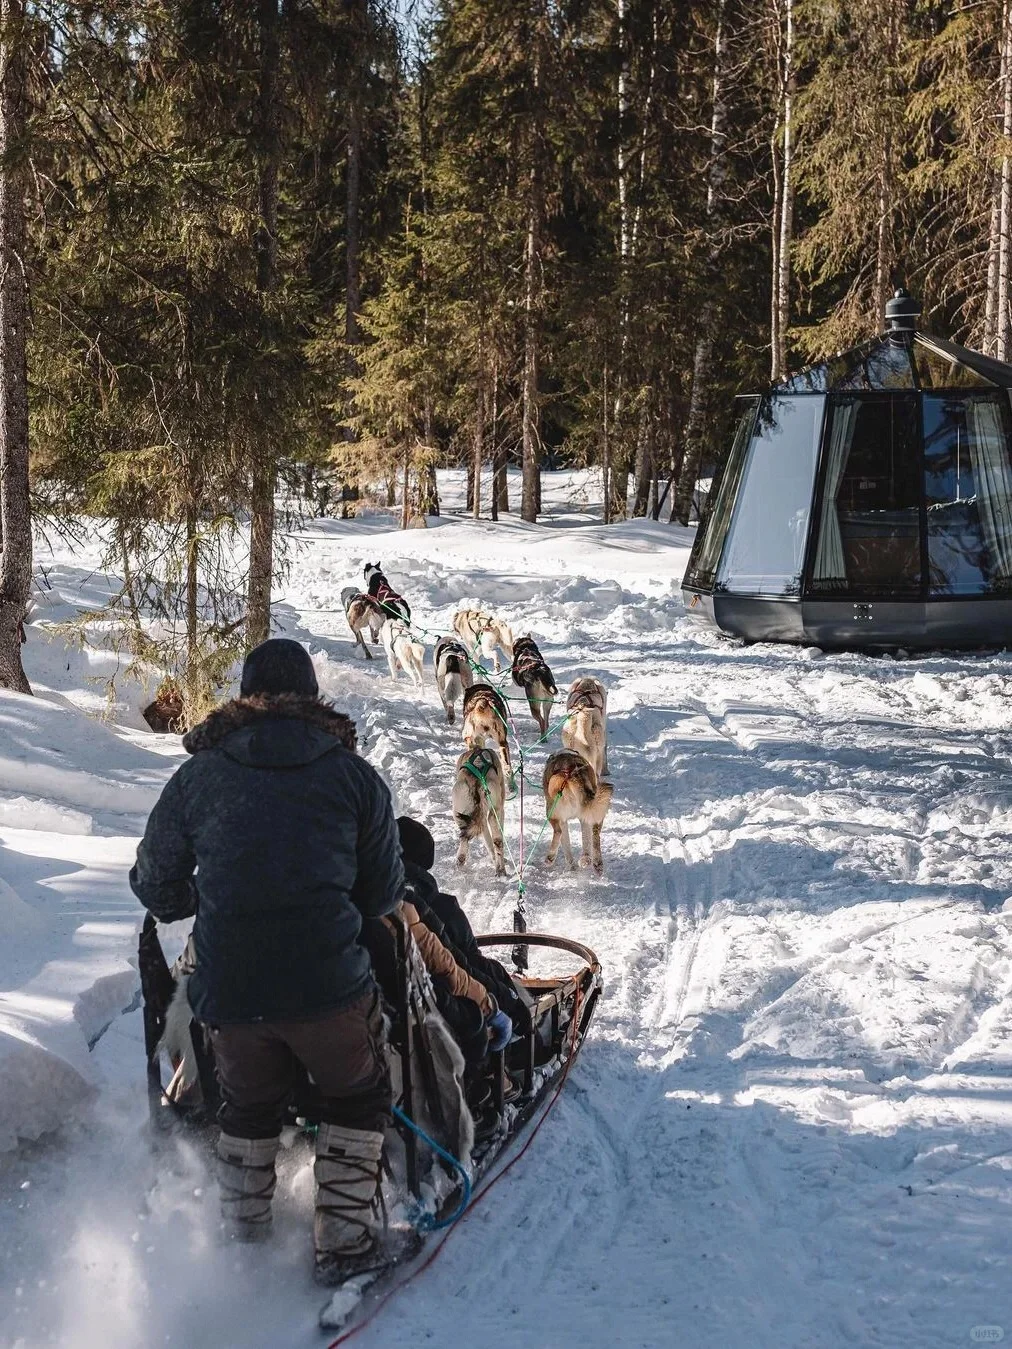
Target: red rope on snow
<point>574,1053</point>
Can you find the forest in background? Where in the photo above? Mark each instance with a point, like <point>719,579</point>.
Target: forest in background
<point>254,251</point>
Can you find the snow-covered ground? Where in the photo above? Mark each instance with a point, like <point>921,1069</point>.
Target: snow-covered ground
<point>792,1124</point>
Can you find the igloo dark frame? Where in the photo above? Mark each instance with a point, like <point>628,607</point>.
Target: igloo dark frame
<point>895,431</point>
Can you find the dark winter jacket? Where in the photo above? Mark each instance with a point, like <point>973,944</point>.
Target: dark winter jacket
<point>443,914</point>
<point>293,841</point>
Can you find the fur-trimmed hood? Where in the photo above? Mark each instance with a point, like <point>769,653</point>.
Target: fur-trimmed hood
<point>242,713</point>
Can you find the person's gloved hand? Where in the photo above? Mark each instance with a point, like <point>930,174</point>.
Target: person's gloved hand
<point>500,1031</point>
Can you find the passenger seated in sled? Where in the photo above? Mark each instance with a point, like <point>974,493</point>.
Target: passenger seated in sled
<point>442,913</point>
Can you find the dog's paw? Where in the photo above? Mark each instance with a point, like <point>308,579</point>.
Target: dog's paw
<point>584,861</point>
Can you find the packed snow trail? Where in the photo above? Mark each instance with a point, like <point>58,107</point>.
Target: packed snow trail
<point>790,1125</point>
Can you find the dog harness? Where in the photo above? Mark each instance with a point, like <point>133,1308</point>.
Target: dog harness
<point>585,698</point>
<point>389,599</point>
<point>527,665</point>
<point>481,762</point>
<point>452,646</point>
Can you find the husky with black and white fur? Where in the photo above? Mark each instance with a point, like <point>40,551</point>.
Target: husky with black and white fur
<point>403,652</point>
<point>391,604</point>
<point>453,674</point>
<point>479,799</point>
<point>531,673</point>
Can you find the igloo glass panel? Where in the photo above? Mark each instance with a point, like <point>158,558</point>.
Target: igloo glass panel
<point>765,549</point>
<point>868,538</point>
<point>937,370</point>
<point>712,531</point>
<point>968,493</point>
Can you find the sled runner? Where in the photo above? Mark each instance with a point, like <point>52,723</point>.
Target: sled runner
<point>429,1102</point>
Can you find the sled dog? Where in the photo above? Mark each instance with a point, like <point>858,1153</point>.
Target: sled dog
<point>476,628</point>
<point>485,720</point>
<point>573,792</point>
<point>586,730</point>
<point>403,652</point>
<point>390,603</point>
<point>453,674</point>
<point>531,673</point>
<point>479,798</point>
<point>177,1042</point>
<point>362,613</point>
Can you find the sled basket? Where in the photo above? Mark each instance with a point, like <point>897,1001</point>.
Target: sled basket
<point>561,1009</point>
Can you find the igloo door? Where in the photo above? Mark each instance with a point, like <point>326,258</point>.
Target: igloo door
<point>868,536</point>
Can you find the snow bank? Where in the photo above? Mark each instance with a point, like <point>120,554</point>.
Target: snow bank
<point>74,795</point>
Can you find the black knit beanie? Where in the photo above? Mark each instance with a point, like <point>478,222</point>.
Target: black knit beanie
<point>279,666</point>
<point>417,844</point>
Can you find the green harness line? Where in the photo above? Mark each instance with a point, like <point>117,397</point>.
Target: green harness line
<point>520,951</point>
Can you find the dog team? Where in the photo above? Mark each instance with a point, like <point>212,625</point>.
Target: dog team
<point>574,777</point>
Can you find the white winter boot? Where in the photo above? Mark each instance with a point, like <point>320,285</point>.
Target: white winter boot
<point>348,1203</point>
<point>246,1179</point>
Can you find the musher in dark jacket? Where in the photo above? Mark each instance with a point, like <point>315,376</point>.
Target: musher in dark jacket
<point>280,839</point>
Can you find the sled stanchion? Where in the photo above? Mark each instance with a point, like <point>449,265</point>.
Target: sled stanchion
<point>407,1086</point>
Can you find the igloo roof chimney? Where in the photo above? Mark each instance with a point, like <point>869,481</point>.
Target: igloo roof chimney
<point>902,312</point>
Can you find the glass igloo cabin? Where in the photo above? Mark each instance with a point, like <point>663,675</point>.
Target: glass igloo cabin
<point>866,502</point>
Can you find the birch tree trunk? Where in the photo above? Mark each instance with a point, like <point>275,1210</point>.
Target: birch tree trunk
<point>479,436</point>
<point>991,296</point>
<point>694,438</point>
<point>775,248</point>
<point>15,511</point>
<point>264,469</point>
<point>883,242</point>
<point>785,224</point>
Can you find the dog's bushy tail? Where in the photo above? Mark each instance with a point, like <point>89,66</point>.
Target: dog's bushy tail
<point>467,804</point>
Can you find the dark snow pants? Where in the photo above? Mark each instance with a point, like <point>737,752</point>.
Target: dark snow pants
<point>342,1052</point>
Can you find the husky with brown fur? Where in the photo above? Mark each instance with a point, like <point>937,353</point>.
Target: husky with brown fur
<point>453,674</point>
<point>403,652</point>
<point>362,612</point>
<point>479,799</point>
<point>478,629</point>
<point>531,673</point>
<point>586,730</point>
<point>573,792</point>
<point>485,720</point>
